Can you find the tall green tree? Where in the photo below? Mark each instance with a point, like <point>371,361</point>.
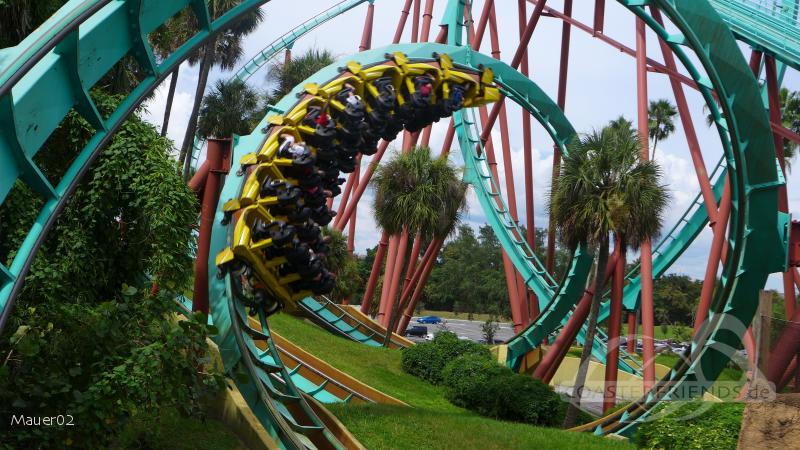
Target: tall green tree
<point>224,51</point>
<point>165,40</point>
<point>288,74</point>
<point>661,121</point>
<point>416,193</point>
<point>230,108</point>
<point>605,189</point>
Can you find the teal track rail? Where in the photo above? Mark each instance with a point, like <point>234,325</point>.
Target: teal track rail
<point>771,25</point>
<point>337,320</point>
<point>316,390</point>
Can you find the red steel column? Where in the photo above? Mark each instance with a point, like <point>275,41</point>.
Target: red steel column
<point>648,350</point>
<point>216,151</point>
<point>351,233</point>
<point>714,257</point>
<point>614,327</point>
<point>527,159</point>
<point>599,15</point>
<point>508,164</point>
<point>631,332</point>
<point>773,91</point>
<point>437,243</point>
<point>427,16</point>
<point>566,31</point>
<point>397,271</point>
<point>555,354</point>
<point>388,270</point>
<point>373,274</point>
<point>341,221</point>
<point>415,21</point>
<point>401,24</point>
<point>366,35</point>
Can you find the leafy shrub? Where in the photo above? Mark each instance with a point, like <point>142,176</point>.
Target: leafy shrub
<point>87,338</point>
<point>465,379</point>
<point>427,360</point>
<point>496,391</point>
<point>715,428</point>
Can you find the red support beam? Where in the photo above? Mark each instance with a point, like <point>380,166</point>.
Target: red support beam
<point>632,332</point>
<point>341,220</point>
<point>566,33</point>
<point>556,353</point>
<point>527,160</point>
<point>217,151</point>
<point>427,16</point>
<point>614,328</point>
<point>599,15</point>
<point>409,311</point>
<point>415,21</point>
<point>773,92</point>
<point>369,292</point>
<point>646,252</point>
<point>401,23</point>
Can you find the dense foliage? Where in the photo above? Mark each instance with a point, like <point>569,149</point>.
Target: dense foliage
<point>88,337</point>
<point>473,380</point>
<point>694,425</point>
<point>481,385</point>
<point>427,360</point>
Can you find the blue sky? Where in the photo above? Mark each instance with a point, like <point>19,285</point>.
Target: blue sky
<point>601,86</point>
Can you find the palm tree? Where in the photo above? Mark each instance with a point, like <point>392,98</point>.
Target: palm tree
<point>224,51</point>
<point>165,40</point>
<point>620,123</point>
<point>661,115</point>
<point>230,108</point>
<point>605,188</point>
<point>287,75</point>
<point>417,194</point>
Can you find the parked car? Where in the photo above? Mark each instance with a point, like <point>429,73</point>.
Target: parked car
<point>417,330</point>
<point>433,320</point>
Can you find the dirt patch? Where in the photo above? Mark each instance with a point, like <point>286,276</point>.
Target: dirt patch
<point>771,425</point>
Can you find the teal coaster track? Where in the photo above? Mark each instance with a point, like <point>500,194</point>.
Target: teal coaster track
<point>53,70</point>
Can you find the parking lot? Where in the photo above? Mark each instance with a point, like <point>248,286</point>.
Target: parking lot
<point>465,329</point>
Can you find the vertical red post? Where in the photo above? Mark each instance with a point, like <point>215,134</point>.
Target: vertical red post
<point>631,332</point>
<point>217,151</point>
<point>599,15</point>
<point>566,30</point>
<point>437,243</point>
<point>401,24</point>
<point>714,257</point>
<point>614,327</point>
<point>773,91</point>
<point>388,270</point>
<point>366,35</point>
<point>646,258</point>
<point>369,292</point>
<point>351,231</point>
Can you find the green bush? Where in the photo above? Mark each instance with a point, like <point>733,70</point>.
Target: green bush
<point>465,379</point>
<point>496,391</point>
<point>693,425</point>
<point>427,360</point>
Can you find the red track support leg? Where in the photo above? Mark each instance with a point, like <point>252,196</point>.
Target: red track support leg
<point>218,150</point>
<point>648,347</point>
<point>614,327</point>
<point>373,274</point>
<point>631,332</point>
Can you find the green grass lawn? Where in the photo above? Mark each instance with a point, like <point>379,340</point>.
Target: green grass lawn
<point>432,422</point>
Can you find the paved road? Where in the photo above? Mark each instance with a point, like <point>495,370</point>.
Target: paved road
<point>469,329</point>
